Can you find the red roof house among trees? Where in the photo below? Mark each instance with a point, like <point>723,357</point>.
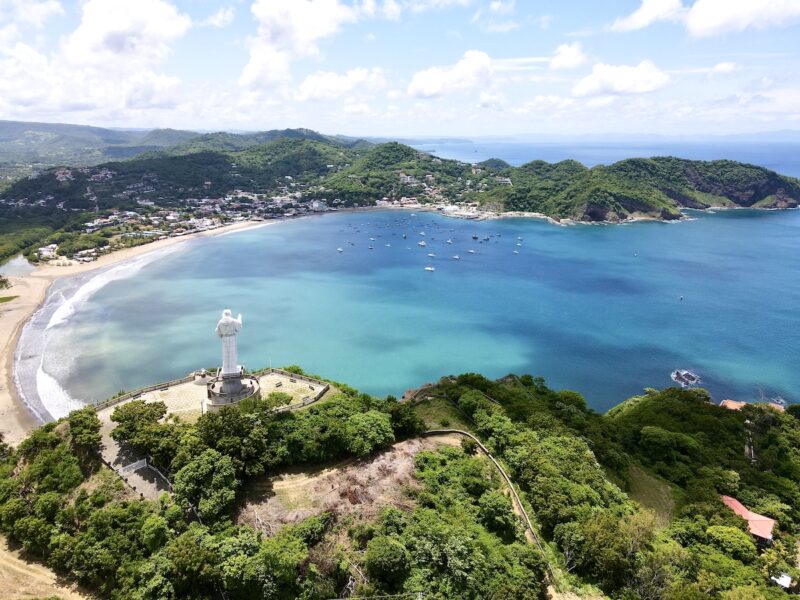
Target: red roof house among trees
<point>759,525</point>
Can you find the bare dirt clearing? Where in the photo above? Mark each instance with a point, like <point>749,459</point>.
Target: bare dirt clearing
<point>364,486</point>
<point>21,579</point>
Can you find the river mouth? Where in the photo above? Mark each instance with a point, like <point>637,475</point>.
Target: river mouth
<point>594,309</point>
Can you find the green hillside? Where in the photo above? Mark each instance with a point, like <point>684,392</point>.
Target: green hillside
<point>451,531</point>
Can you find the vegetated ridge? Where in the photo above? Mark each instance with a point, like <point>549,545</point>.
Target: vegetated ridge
<point>455,533</point>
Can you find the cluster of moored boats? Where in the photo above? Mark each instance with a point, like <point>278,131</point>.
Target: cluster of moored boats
<point>424,244</point>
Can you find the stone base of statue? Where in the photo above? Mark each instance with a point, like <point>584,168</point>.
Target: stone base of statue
<point>230,388</point>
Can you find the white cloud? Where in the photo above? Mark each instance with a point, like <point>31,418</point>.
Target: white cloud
<point>568,56</point>
<point>621,79</point>
<point>293,28</point>
<point>423,5</point>
<point>473,70</point>
<point>107,64</point>
<point>724,68</point>
<point>497,17</point>
<point>297,25</point>
<point>326,85</point>
<point>706,18</point>
<point>142,33</point>
<point>521,63</point>
<point>391,10</point>
<point>714,17</point>
<point>29,12</point>
<point>220,19</point>
<point>649,12</point>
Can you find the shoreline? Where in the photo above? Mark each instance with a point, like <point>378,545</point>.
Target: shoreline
<point>17,418</point>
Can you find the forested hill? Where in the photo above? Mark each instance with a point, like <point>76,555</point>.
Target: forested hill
<point>27,148</point>
<point>303,166</point>
<point>626,506</point>
<point>358,173</point>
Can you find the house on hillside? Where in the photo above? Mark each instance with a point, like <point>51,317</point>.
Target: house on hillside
<point>759,526</point>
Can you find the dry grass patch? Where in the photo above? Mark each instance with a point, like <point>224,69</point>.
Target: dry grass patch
<point>353,486</point>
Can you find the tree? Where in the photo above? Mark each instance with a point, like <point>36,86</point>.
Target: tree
<point>208,483</point>
<point>134,420</point>
<point>733,542</point>
<point>276,399</point>
<point>155,532</point>
<point>387,561</point>
<point>84,427</point>
<point>497,515</point>
<point>469,446</point>
<point>368,431</point>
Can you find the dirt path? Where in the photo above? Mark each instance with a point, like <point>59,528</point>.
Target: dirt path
<point>20,579</point>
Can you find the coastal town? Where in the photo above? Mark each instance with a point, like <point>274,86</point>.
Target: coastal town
<point>159,219</point>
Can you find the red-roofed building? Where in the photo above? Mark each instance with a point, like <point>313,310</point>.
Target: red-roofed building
<point>759,525</point>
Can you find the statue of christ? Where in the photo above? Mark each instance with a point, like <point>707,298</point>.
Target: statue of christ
<point>227,328</point>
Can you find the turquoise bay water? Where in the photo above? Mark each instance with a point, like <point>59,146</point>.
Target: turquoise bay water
<point>597,309</point>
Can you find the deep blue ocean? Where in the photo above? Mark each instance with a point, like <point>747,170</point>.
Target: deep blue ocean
<point>604,310</point>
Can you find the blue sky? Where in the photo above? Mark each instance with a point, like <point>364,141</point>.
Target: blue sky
<point>406,67</point>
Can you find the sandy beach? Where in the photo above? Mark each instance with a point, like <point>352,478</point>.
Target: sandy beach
<point>16,419</point>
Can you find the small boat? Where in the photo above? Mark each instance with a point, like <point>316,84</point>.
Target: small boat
<point>430,268</point>
<point>388,245</point>
<point>456,257</point>
<point>404,236</point>
<point>486,239</point>
<point>340,249</point>
<point>516,251</point>
<point>372,247</point>
<point>519,237</point>
<point>471,251</point>
<point>422,243</point>
<point>431,254</point>
<point>685,378</point>
<point>422,233</point>
<point>519,243</point>
<point>371,239</point>
<point>449,241</point>
<point>474,237</point>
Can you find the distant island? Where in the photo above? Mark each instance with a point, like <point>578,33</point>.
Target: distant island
<point>180,182</point>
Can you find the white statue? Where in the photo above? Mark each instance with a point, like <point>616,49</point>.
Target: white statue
<point>227,328</point>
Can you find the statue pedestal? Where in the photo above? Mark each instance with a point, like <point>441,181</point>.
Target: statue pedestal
<point>232,384</point>
<point>230,389</point>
